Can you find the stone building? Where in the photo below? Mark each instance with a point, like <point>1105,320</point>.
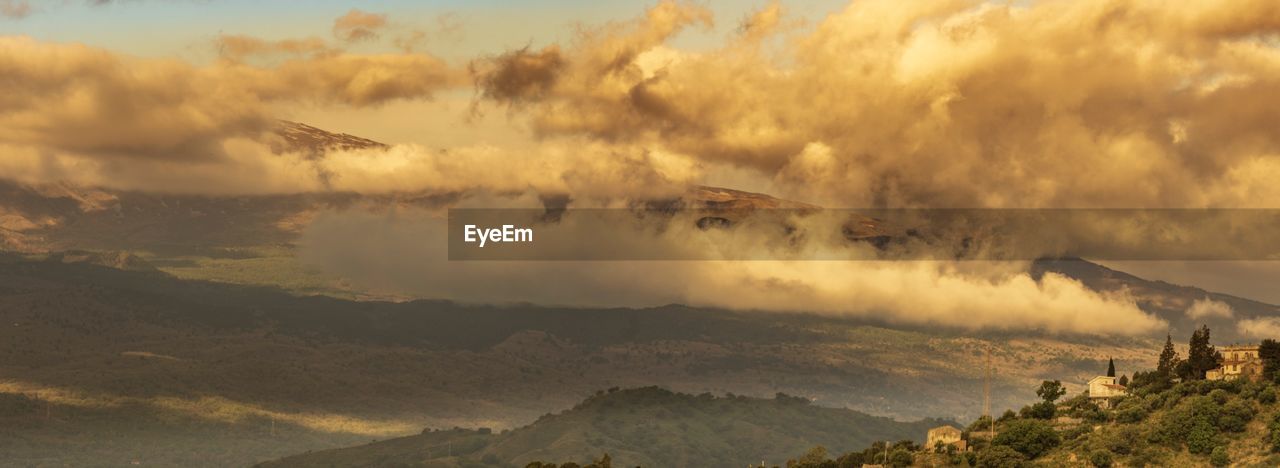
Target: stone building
<point>1238,362</point>
<point>1102,388</point>
<point>944,435</point>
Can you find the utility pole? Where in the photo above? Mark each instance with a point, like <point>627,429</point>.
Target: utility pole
<point>986,395</point>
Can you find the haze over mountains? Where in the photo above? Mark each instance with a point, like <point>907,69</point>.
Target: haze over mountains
<point>191,320</point>
<point>188,280</point>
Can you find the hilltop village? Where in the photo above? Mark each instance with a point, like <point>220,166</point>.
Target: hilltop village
<point>1211,407</point>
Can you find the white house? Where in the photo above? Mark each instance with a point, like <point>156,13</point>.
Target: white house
<point>1102,388</point>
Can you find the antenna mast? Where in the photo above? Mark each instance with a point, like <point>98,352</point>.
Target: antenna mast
<point>986,394</point>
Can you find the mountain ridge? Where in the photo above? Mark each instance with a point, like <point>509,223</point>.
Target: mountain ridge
<point>647,426</point>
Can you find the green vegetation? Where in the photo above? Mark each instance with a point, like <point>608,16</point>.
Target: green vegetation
<point>650,427</point>
<point>1170,416</point>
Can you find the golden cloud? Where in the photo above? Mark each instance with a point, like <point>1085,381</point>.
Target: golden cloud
<point>941,103</point>
<point>84,101</point>
<point>358,25</point>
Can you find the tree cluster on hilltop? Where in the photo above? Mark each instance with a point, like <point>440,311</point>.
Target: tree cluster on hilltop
<point>1170,415</point>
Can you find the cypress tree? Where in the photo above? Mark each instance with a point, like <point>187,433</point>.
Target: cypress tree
<point>1269,352</point>
<point>1168,358</point>
<point>1111,367</point>
<point>1201,356</point>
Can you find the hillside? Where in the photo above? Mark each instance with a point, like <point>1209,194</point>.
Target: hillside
<point>1168,301</point>
<point>132,316</point>
<point>214,366</point>
<point>644,426</point>
<point>1170,416</point>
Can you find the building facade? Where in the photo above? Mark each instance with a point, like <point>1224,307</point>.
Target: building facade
<point>1238,362</point>
<point>944,435</point>
<point>1103,388</point>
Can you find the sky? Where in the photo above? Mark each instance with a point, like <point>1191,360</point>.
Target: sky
<point>456,30</point>
<point>176,28</point>
<point>869,103</point>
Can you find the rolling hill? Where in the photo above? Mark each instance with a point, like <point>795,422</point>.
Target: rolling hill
<point>638,427</point>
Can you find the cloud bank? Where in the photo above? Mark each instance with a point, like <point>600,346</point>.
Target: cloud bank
<point>405,252</point>
<point>940,103</point>
<point>944,103</point>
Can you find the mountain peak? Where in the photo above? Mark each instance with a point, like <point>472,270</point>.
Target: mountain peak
<point>314,142</point>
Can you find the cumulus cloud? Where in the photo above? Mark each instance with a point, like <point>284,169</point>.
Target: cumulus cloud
<point>1209,308</point>
<point>1264,327</point>
<point>944,103</point>
<point>358,25</point>
<point>941,103</point>
<point>77,100</point>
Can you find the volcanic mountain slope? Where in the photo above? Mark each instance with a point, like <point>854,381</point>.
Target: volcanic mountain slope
<point>315,142</point>
<point>57,217</point>
<point>1168,301</point>
<point>213,366</point>
<point>166,354</point>
<point>640,427</point>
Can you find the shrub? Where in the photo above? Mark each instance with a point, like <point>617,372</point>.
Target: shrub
<point>1131,414</point>
<point>1219,396</point>
<point>1219,457</point>
<point>1029,437</point>
<point>1235,415</point>
<point>1202,437</point>
<point>1096,416</point>
<point>1076,432</point>
<point>1145,457</point>
<point>1122,440</point>
<point>1267,396</point>
<point>1100,458</point>
<point>1042,410</point>
<point>1000,457</point>
<point>1274,435</point>
<point>1008,415</point>
<point>900,458</point>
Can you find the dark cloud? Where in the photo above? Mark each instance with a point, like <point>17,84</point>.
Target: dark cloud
<point>358,25</point>
<point>519,75</point>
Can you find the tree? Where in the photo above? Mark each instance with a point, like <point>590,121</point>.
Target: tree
<point>1029,437</point>
<point>1001,457</point>
<point>1100,458</point>
<point>1168,358</point>
<point>1269,352</point>
<point>1219,457</point>
<point>604,462</point>
<point>1201,356</point>
<point>1051,391</point>
<point>1042,410</point>
<point>1111,367</point>
<point>900,458</point>
<point>815,456</point>
<point>1124,380</point>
